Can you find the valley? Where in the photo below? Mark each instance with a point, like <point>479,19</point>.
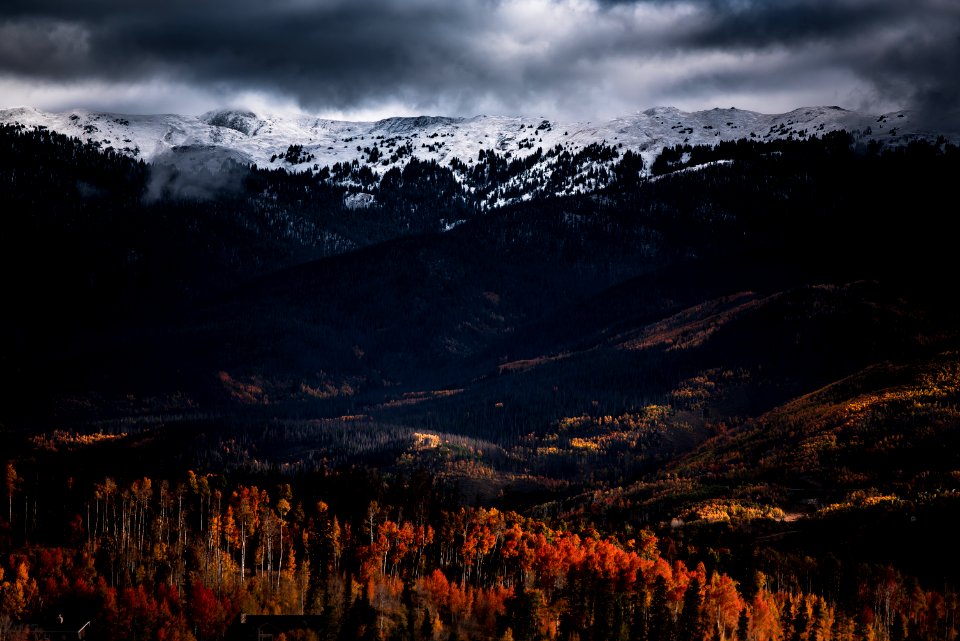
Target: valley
<point>682,388</point>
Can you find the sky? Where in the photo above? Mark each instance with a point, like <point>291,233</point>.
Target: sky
<point>565,59</point>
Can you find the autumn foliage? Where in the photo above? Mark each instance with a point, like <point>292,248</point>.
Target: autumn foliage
<point>180,561</point>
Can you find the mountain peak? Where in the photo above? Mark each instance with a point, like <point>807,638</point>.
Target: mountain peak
<point>246,122</point>
<point>661,110</point>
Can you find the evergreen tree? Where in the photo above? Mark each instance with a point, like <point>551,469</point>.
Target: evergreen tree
<point>410,610</point>
<point>661,625</point>
<point>786,619</point>
<point>604,614</point>
<point>800,622</point>
<point>638,616</point>
<point>426,626</point>
<point>743,625</point>
<point>690,625</point>
<point>817,631</point>
<point>523,613</point>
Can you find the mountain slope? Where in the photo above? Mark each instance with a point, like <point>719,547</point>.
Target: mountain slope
<point>520,286</point>
<point>752,352</point>
<point>308,144</point>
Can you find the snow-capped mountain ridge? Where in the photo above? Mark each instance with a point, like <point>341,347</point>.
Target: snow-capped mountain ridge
<point>304,143</point>
<point>645,132</point>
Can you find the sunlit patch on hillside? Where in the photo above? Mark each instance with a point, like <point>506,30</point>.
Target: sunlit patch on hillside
<point>727,511</point>
<point>939,384</point>
<point>251,393</point>
<point>422,441</point>
<point>694,326</point>
<point>65,439</point>
<point>529,363</point>
<point>862,499</point>
<point>326,390</point>
<point>414,398</point>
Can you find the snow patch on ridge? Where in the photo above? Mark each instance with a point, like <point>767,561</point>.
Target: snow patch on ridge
<point>248,137</point>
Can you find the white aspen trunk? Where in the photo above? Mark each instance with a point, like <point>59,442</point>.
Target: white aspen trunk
<point>280,556</point>
<point>243,551</point>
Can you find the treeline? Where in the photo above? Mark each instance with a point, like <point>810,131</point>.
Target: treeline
<point>154,559</point>
<point>866,210</point>
<point>497,179</point>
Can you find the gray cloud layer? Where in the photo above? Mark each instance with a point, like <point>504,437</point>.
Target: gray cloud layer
<point>576,58</point>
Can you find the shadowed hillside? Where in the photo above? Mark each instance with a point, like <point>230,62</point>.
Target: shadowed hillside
<point>719,401</point>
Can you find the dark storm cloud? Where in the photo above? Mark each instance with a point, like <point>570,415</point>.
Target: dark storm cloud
<point>247,42</point>
<point>787,23</point>
<point>909,50</point>
<point>925,65</point>
<point>574,56</point>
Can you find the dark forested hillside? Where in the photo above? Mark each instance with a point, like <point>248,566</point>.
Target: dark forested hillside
<point>717,401</point>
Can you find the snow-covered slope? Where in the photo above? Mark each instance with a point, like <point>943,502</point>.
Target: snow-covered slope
<point>268,140</point>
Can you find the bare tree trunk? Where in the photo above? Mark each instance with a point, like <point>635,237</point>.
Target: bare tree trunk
<point>243,551</point>
<point>280,560</point>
